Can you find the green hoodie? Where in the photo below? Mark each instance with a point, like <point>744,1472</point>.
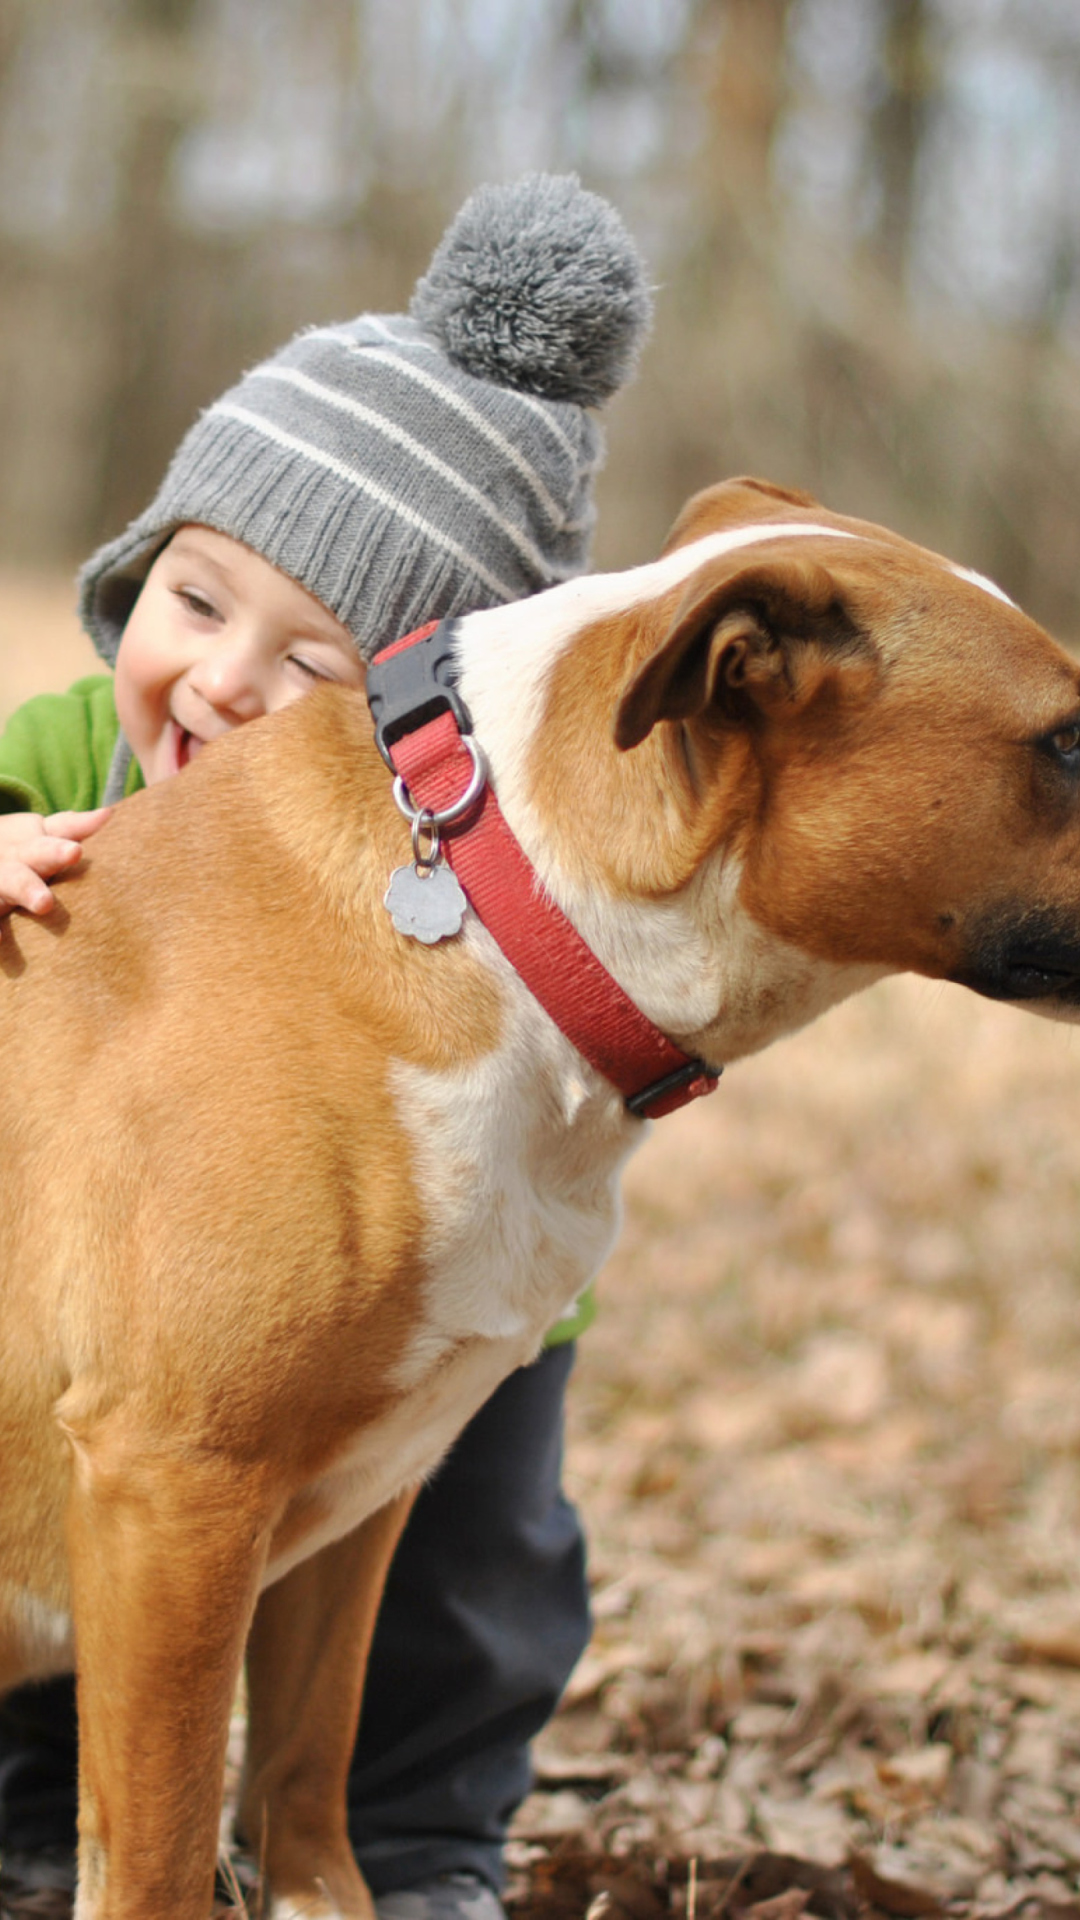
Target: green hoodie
<point>55,751</point>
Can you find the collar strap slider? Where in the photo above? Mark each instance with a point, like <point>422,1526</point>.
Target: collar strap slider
<point>413,681</point>
<point>687,1082</point>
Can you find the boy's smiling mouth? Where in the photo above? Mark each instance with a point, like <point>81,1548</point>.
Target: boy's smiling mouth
<point>188,746</point>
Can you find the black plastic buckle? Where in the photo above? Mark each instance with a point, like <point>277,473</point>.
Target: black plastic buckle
<point>411,687</point>
<point>639,1103</point>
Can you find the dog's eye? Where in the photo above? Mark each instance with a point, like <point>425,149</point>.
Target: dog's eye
<point>1066,741</point>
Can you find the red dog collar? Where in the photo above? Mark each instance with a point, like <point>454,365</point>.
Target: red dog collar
<point>421,727</point>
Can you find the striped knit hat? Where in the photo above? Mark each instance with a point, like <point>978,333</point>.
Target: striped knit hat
<point>404,468</point>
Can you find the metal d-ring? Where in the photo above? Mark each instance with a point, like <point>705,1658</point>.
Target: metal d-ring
<point>424,822</point>
<point>434,820</point>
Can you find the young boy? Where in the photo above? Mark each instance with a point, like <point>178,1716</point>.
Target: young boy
<point>367,478</point>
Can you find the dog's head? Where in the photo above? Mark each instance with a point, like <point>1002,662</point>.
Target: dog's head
<point>880,744</point>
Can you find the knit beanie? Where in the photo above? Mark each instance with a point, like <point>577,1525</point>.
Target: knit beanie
<point>407,467</point>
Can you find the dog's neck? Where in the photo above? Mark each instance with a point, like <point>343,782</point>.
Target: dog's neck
<point>720,998</point>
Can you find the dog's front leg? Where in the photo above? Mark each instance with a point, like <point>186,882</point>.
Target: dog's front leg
<point>306,1656</point>
<point>166,1556</point>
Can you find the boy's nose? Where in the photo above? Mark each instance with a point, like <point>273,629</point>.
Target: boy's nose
<point>227,679</point>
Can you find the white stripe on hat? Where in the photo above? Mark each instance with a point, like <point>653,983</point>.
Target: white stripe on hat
<point>397,362</point>
<point>543,409</point>
<point>293,377</point>
<point>229,410</point>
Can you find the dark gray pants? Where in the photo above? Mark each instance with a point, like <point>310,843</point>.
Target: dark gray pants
<point>486,1611</point>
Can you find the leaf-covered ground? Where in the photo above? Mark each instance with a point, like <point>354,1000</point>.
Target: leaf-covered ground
<point>826,1434</point>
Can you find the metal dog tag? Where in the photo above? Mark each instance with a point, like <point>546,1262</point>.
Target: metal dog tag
<point>426,903</point>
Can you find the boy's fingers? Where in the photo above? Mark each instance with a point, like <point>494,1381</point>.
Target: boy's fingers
<point>49,853</point>
<point>76,826</point>
<point>57,847</point>
<point>21,887</point>
<point>22,879</point>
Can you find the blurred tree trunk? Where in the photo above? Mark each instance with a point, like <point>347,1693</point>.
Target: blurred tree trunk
<point>12,20</point>
<point>744,90</point>
<point>897,127</point>
<point>142,266</point>
<point>735,68</point>
<point>716,375</point>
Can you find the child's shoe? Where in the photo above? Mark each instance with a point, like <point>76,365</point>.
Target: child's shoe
<point>446,1896</point>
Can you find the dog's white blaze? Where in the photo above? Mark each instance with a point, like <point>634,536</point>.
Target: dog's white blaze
<point>980,580</point>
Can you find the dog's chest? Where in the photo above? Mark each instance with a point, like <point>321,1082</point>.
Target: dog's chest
<point>516,1157</point>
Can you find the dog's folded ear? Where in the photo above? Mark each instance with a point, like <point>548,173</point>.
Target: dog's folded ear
<point>746,643</point>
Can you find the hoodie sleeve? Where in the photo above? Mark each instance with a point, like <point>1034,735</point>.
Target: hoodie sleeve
<point>56,750</point>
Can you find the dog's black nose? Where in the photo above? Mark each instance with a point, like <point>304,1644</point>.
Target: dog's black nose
<point>1024,956</point>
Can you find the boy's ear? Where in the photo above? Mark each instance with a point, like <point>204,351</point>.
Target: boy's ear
<point>746,643</point>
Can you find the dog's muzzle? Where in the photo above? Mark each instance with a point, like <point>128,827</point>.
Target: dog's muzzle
<point>1023,956</point>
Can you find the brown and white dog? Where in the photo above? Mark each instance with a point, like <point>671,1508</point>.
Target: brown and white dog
<point>283,1194</point>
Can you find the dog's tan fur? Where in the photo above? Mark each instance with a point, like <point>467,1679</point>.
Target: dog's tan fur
<point>283,1195</point>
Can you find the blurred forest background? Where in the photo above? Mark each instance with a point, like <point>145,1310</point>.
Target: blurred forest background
<point>861,216</point>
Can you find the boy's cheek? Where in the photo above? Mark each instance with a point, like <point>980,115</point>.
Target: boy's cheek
<point>131,713</point>
<point>144,725</point>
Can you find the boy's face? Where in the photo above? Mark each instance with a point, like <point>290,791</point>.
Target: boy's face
<point>218,636</point>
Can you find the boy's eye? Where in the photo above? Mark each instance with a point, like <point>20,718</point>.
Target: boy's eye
<point>196,602</point>
<point>307,668</point>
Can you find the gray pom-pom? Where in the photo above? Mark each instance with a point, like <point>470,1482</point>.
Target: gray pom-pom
<point>538,286</point>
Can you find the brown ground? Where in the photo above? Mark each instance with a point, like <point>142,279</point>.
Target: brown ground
<point>826,1437</point>
<point>826,1434</point>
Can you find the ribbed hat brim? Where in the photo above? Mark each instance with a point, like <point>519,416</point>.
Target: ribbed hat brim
<point>348,461</point>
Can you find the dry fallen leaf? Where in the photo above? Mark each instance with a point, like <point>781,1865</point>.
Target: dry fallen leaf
<point>782,1906</point>
<point>901,1897</point>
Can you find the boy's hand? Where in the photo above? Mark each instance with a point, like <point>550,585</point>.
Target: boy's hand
<point>35,847</point>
